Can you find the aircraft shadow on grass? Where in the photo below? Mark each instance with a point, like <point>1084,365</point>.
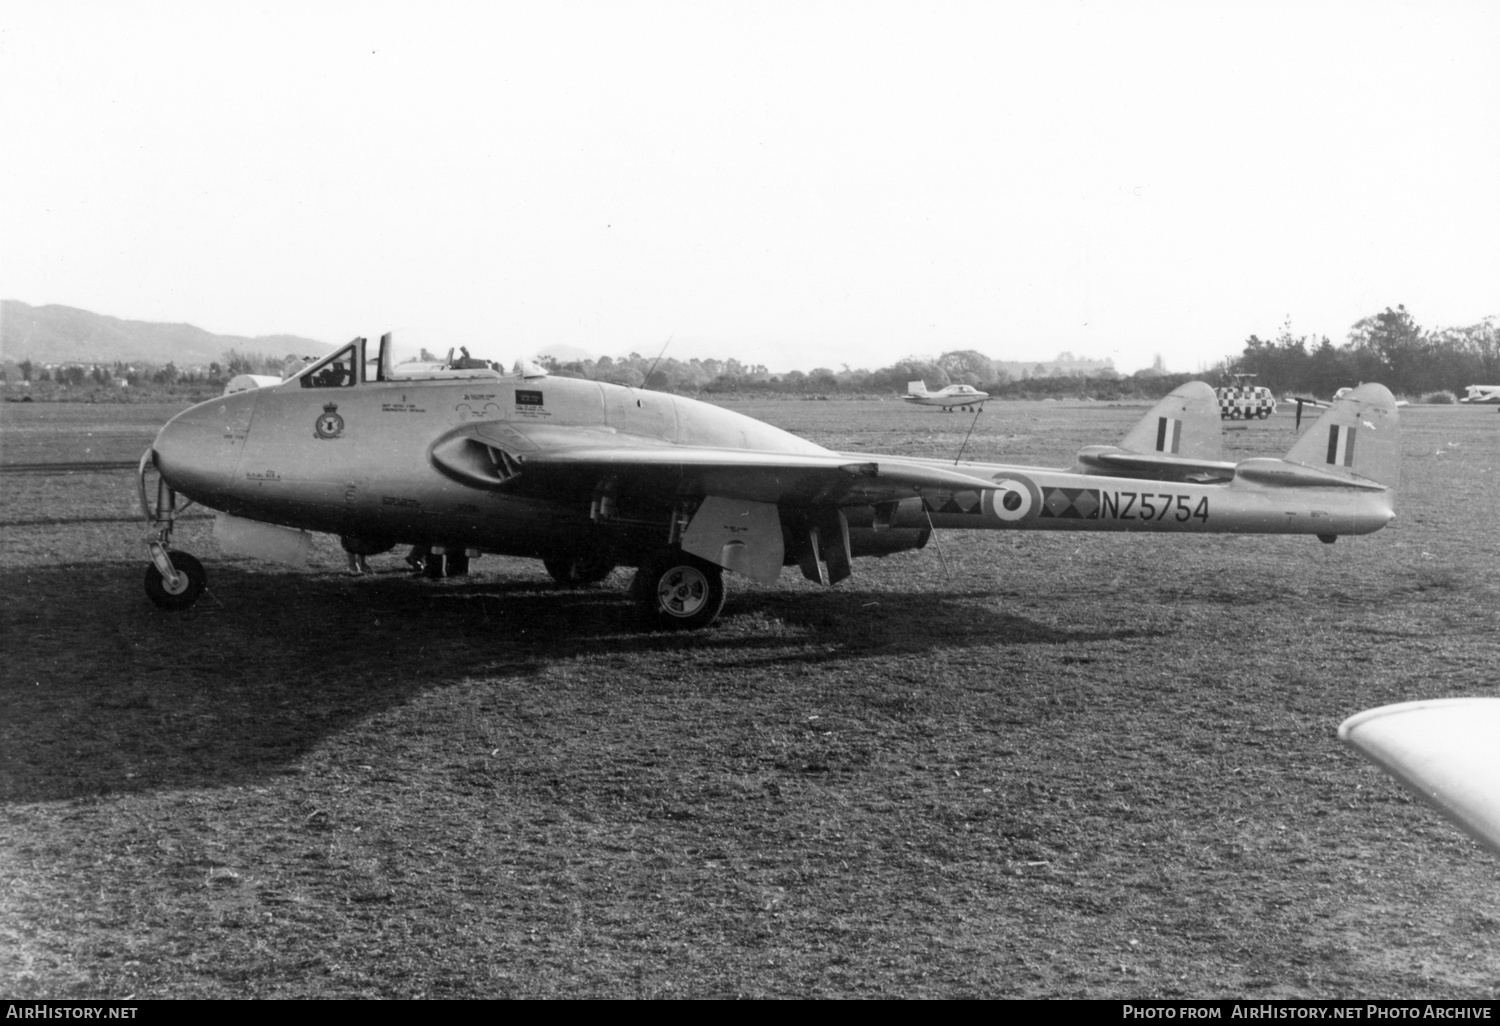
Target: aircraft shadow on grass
<point>104,694</point>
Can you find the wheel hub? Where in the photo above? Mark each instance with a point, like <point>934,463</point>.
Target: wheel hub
<point>683,591</point>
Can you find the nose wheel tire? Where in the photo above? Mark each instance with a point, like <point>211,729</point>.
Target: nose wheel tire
<point>191,580</point>
<point>676,591</point>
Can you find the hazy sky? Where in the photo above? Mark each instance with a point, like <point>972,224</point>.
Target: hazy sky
<point>802,184</point>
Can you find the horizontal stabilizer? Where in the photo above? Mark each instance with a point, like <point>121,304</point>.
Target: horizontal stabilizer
<point>1155,465</point>
<point>1269,471</point>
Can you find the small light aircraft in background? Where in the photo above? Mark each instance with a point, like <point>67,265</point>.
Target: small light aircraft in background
<point>1322,404</point>
<point>587,476</point>
<point>1445,751</point>
<point>961,397</point>
<point>1481,394</point>
<point>1308,402</point>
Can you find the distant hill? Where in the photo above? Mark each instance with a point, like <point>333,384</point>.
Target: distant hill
<point>563,353</point>
<point>63,334</point>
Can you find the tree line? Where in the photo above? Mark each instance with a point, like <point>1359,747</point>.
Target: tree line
<point>119,380</point>
<point>1388,347</point>
<point>959,366</point>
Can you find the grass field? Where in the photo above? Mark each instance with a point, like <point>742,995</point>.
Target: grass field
<point>1070,766</point>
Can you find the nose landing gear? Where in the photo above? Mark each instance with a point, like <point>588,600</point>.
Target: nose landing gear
<point>182,588</point>
<point>174,580</point>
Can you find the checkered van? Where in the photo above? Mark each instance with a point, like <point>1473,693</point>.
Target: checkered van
<point>1245,402</point>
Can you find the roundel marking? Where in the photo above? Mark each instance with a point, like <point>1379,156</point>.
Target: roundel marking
<point>1013,500</point>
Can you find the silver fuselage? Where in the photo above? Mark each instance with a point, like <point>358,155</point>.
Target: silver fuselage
<point>359,461</point>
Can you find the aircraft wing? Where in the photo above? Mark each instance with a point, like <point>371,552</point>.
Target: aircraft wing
<point>578,459</point>
<point>760,476</point>
<point>1444,750</point>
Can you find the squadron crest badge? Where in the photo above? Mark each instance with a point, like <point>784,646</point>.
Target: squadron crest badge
<point>329,424</point>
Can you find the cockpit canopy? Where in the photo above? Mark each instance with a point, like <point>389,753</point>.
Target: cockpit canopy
<point>356,364</point>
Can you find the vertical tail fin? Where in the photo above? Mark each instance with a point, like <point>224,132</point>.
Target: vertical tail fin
<point>1185,423</point>
<point>1357,438</point>
<point>917,387</point>
<point>1178,440</point>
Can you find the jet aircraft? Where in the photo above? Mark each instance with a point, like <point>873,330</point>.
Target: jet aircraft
<point>587,476</point>
<point>962,397</point>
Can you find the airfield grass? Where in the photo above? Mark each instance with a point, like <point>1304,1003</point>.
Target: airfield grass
<point>1067,765</point>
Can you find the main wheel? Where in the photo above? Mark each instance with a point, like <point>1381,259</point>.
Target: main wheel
<point>191,580</point>
<point>577,571</point>
<point>676,591</point>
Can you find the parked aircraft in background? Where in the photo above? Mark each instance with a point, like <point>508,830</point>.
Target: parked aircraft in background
<point>1481,394</point>
<point>1309,402</point>
<point>1346,390</point>
<point>587,476</point>
<point>961,397</point>
<point>1443,750</point>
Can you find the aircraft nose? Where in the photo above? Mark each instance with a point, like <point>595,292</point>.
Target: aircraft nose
<point>198,450</point>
